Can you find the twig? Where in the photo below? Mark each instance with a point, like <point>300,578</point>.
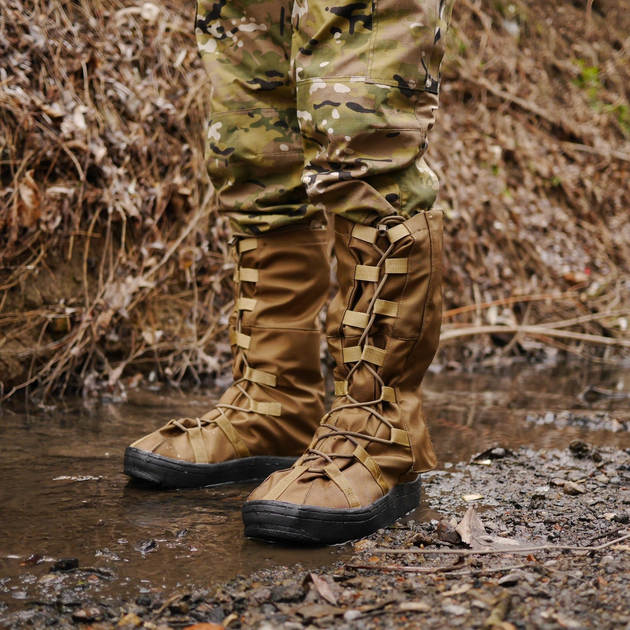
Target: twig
<point>451,570</point>
<point>490,552</point>
<point>514,299</point>
<point>606,534</point>
<point>539,330</point>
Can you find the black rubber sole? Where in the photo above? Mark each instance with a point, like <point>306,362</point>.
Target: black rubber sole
<point>173,473</point>
<point>277,521</point>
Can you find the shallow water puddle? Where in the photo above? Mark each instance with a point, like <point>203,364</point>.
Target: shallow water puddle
<point>63,493</point>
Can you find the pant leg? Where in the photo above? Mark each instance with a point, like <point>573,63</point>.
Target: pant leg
<point>254,149</point>
<point>367,76</point>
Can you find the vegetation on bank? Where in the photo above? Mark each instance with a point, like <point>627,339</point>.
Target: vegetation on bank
<point>113,262</point>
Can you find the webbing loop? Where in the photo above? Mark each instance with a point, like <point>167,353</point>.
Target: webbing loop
<point>239,339</point>
<point>388,394</point>
<point>266,408</point>
<point>397,232</point>
<point>260,377</point>
<point>356,319</point>
<point>373,355</point>
<point>244,274</point>
<point>351,355</point>
<point>245,304</point>
<point>365,233</point>
<point>247,245</point>
<point>397,265</point>
<point>343,484</point>
<point>372,465</point>
<point>366,273</point>
<point>399,436</point>
<point>341,388</point>
<point>385,307</point>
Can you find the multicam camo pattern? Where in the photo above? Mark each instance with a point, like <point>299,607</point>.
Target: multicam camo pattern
<point>321,104</point>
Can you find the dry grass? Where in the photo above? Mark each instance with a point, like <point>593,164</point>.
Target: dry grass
<point>111,262</point>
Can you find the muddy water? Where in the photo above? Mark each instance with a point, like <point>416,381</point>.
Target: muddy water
<point>63,495</point>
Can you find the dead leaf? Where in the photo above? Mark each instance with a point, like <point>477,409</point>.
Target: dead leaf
<point>324,588</point>
<point>473,533</point>
<point>470,527</point>
<point>472,497</point>
<point>29,204</point>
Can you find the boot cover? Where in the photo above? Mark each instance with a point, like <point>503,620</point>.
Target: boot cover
<point>265,420</point>
<point>361,470</point>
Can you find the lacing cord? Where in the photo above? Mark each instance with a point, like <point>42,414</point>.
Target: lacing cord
<point>312,453</point>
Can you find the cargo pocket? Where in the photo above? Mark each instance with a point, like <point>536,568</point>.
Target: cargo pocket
<point>408,43</point>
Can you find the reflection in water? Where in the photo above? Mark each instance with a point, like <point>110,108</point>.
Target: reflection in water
<point>63,494</point>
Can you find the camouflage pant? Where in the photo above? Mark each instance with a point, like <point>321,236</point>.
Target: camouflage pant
<point>321,105</point>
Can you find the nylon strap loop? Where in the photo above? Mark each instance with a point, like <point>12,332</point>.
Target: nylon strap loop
<point>400,436</point>
<point>356,319</point>
<point>361,454</point>
<point>240,340</point>
<point>260,377</point>
<point>275,492</point>
<point>365,233</point>
<point>385,307</point>
<point>388,394</point>
<point>244,274</point>
<point>341,388</point>
<point>340,480</point>
<point>397,265</point>
<point>374,355</point>
<point>247,244</point>
<point>195,436</point>
<point>366,273</point>
<point>352,355</point>
<point>232,434</point>
<point>397,232</point>
<point>245,304</point>
<point>265,408</point>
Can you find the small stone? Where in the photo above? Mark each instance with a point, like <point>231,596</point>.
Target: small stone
<point>511,579</point>
<point>455,609</point>
<point>573,489</point>
<point>446,532</point>
<point>145,546</point>
<point>602,479</point>
<point>541,492</point>
<point>579,449</point>
<point>290,593</point>
<point>65,564</point>
<point>351,615</point>
<point>556,481</point>
<point>130,620</point>
<point>179,608</point>
<point>87,614</point>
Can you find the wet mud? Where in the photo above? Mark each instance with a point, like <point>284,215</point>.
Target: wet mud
<point>80,544</point>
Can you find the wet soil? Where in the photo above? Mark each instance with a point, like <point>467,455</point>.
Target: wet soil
<point>139,556</point>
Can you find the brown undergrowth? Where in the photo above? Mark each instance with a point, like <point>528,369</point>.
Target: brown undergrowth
<point>113,263</point>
